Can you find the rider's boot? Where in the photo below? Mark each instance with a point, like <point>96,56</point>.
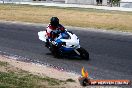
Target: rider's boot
<point>47,43</point>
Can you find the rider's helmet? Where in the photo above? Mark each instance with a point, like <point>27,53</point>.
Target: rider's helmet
<point>54,21</point>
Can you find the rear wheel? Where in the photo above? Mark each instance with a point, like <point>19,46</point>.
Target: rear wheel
<point>56,52</point>
<point>83,53</point>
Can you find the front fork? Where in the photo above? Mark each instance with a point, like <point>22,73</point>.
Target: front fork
<point>77,52</point>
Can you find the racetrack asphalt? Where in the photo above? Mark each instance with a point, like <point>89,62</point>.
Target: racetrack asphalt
<point>110,54</point>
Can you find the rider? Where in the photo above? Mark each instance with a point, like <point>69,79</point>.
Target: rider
<point>53,29</point>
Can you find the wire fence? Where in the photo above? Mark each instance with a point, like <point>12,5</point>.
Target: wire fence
<point>20,1</point>
<point>14,1</point>
<point>9,1</point>
<point>109,2</point>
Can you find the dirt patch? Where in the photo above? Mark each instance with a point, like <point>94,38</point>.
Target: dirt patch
<point>41,71</point>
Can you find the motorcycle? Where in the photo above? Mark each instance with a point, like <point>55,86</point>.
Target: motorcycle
<point>66,43</point>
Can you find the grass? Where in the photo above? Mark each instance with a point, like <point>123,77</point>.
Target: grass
<point>3,63</point>
<point>70,80</point>
<point>14,80</point>
<point>17,78</point>
<point>111,20</point>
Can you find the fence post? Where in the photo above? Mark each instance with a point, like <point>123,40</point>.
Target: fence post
<point>3,1</point>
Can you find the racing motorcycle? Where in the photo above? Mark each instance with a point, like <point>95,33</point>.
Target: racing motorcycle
<point>65,44</point>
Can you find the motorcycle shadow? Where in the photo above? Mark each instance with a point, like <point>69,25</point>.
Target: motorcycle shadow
<point>66,57</point>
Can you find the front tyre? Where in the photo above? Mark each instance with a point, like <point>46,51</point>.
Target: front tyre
<point>83,53</point>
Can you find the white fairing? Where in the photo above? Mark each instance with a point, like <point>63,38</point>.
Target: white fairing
<point>42,35</point>
<point>72,42</point>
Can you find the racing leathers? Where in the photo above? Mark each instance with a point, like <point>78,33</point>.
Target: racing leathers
<point>52,32</point>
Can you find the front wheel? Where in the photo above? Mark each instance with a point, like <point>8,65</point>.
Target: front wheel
<point>83,53</point>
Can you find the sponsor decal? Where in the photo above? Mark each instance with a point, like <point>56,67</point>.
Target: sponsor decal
<point>85,80</point>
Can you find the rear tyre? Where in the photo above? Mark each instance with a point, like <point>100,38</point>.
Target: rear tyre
<point>56,52</point>
<point>83,53</point>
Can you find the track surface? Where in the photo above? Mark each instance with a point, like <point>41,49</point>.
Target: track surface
<point>110,54</point>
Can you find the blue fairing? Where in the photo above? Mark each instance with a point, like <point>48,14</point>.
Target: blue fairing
<point>67,49</point>
<point>63,48</point>
<point>58,41</point>
<point>64,35</point>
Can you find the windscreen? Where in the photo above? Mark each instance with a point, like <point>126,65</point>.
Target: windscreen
<point>65,35</point>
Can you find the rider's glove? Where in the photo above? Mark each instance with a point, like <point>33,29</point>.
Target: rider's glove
<point>51,39</point>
